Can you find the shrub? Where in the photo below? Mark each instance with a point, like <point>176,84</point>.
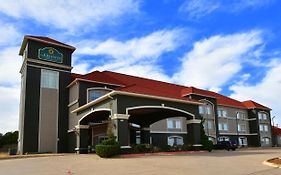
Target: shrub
<point>107,151</point>
<point>208,145</point>
<point>108,147</point>
<point>186,147</point>
<point>166,148</point>
<point>142,148</point>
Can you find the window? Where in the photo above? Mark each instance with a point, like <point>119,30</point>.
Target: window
<point>170,124</point>
<point>96,93</point>
<point>222,113</point>
<point>241,115</point>
<point>262,116</point>
<point>174,124</point>
<point>220,126</point>
<point>49,79</point>
<point>265,140</point>
<point>201,109</point>
<point>210,125</point>
<point>223,138</point>
<point>223,126</point>
<point>178,124</point>
<point>175,140</point>
<point>264,127</point>
<point>209,109</point>
<point>241,128</point>
<point>261,127</point>
<point>243,141</point>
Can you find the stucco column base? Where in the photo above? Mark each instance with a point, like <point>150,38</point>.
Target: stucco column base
<point>122,128</point>
<point>82,140</point>
<point>194,132</point>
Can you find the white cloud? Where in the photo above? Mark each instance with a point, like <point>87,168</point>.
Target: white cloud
<point>137,56</point>
<point>199,8</point>
<point>266,92</point>
<point>147,47</point>
<point>10,64</point>
<point>9,102</point>
<point>8,34</point>
<point>214,61</point>
<point>69,14</point>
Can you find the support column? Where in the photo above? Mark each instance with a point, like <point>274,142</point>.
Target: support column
<point>122,129</point>
<point>145,135</point>
<point>194,132</point>
<point>133,135</point>
<point>82,139</point>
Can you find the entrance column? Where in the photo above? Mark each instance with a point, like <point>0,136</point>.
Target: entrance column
<point>82,141</point>
<point>194,132</point>
<point>122,130</point>
<point>145,135</point>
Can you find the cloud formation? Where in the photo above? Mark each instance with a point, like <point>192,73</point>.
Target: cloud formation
<point>267,91</point>
<point>70,15</point>
<point>200,8</point>
<point>214,61</point>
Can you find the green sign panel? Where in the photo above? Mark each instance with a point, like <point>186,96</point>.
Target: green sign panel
<point>50,54</point>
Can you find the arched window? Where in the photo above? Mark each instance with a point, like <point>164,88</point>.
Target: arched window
<point>175,140</point>
<point>95,93</point>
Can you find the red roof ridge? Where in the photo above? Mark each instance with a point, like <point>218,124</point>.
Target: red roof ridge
<point>253,104</point>
<point>143,78</point>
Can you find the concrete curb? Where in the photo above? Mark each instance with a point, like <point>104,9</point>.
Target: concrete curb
<point>272,164</point>
<point>29,156</point>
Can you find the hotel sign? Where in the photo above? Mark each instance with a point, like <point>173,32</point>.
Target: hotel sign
<point>50,54</point>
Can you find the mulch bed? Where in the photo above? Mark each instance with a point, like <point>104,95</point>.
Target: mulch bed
<point>160,154</point>
<point>276,161</point>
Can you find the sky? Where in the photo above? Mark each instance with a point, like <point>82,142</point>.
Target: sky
<point>232,47</point>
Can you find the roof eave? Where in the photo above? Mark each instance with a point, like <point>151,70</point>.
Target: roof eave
<point>26,38</point>
<point>132,94</point>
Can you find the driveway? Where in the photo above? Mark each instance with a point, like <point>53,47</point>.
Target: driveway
<point>241,162</point>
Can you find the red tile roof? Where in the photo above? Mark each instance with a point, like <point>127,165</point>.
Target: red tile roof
<point>146,86</point>
<point>276,131</point>
<point>252,104</point>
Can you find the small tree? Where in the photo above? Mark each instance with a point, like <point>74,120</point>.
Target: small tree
<point>207,144</point>
<point>110,146</point>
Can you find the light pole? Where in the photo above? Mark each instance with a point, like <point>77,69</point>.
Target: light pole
<point>273,120</point>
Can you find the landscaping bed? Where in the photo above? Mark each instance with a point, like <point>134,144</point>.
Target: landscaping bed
<point>275,161</point>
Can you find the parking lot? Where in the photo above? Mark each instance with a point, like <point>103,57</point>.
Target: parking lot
<point>240,162</point>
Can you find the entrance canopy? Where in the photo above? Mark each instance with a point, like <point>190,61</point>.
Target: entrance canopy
<point>95,116</point>
<point>147,115</point>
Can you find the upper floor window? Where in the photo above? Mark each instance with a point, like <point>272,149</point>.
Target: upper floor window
<point>223,126</point>
<point>241,128</point>
<point>241,115</point>
<point>49,79</point>
<point>201,109</point>
<point>96,93</point>
<point>263,127</point>
<point>262,116</point>
<point>222,113</point>
<point>208,109</point>
<point>205,109</point>
<point>174,124</point>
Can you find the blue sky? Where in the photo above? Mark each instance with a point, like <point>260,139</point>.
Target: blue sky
<point>231,47</point>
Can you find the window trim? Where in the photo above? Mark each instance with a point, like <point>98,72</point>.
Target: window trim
<point>97,88</point>
<point>174,136</point>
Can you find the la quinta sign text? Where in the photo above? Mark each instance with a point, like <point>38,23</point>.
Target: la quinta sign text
<point>50,54</point>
